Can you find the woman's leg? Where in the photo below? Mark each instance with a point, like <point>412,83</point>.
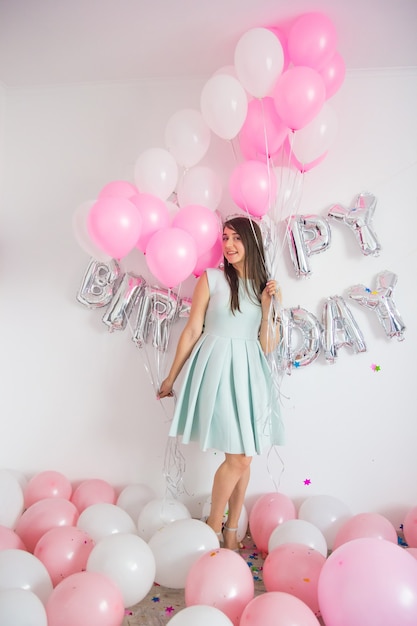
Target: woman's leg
<point>229,487</point>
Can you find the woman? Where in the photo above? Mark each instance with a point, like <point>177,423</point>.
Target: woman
<point>228,399</point>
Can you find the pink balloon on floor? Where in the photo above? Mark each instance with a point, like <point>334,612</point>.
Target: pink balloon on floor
<point>85,599</point>
<point>49,484</point>
<point>91,492</point>
<point>366,582</point>
<point>10,540</point>
<point>64,551</point>
<point>267,513</point>
<point>276,608</point>
<point>220,578</point>
<point>366,525</point>
<point>42,516</point>
<point>294,568</point>
<point>410,527</point>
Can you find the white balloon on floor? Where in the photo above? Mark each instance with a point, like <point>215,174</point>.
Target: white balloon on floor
<point>21,607</point>
<point>177,547</point>
<point>128,561</point>
<point>103,519</point>
<point>159,513</point>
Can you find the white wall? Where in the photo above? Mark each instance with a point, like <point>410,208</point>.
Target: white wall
<point>79,400</point>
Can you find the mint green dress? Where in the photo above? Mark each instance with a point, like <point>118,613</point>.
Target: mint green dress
<point>228,400</point>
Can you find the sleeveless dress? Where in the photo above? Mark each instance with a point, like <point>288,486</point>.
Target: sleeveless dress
<point>228,400</point>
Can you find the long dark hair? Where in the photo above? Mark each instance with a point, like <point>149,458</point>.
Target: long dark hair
<point>255,269</point>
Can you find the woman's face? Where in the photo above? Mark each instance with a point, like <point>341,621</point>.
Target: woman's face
<point>233,249</point>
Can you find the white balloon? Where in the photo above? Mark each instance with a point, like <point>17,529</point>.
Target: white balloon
<point>327,513</point>
<point>159,513</point>
<point>187,137</point>
<point>298,531</point>
<point>11,498</point>
<point>200,614</point>
<point>259,60</point>
<point>156,172</point>
<point>133,498</point>
<point>80,229</point>
<point>314,139</point>
<point>20,607</point>
<point>103,519</point>
<point>177,546</point>
<point>128,561</point>
<point>200,185</point>
<point>224,105</point>
<point>22,570</point>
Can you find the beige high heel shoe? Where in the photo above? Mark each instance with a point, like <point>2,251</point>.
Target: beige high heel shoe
<point>232,530</point>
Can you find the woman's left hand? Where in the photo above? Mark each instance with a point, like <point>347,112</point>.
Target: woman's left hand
<point>271,291</point>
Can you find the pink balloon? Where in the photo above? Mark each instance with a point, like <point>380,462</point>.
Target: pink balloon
<point>171,255</point>
<point>202,224</point>
<point>155,215</point>
<point>93,491</point>
<point>211,258</point>
<point>312,40</point>
<point>42,516</point>
<point>298,96</point>
<point>64,551</point>
<point>276,608</point>
<point>9,540</point>
<point>410,528</point>
<point>220,578</point>
<point>267,513</point>
<point>412,552</point>
<point>333,74</point>
<point>49,484</point>
<point>294,568</point>
<point>263,132</point>
<point>366,582</point>
<point>253,187</point>
<point>84,599</point>
<point>118,189</point>
<point>114,224</point>
<point>366,525</point>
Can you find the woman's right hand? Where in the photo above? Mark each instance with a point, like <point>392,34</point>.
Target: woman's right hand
<point>165,390</point>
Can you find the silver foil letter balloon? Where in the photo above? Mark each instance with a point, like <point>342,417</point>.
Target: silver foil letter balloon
<point>98,284</point>
<point>301,338</point>
<point>359,219</point>
<point>380,300</point>
<point>306,235</point>
<point>123,302</point>
<point>340,329</point>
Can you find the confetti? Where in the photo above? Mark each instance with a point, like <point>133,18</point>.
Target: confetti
<point>307,481</point>
<point>169,610</point>
<point>155,599</point>
<point>375,368</point>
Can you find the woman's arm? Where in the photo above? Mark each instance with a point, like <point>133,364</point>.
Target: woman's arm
<point>189,336</point>
<point>269,332</point>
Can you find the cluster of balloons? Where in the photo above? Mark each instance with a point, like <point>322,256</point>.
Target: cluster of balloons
<point>82,555</point>
<point>277,87</point>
